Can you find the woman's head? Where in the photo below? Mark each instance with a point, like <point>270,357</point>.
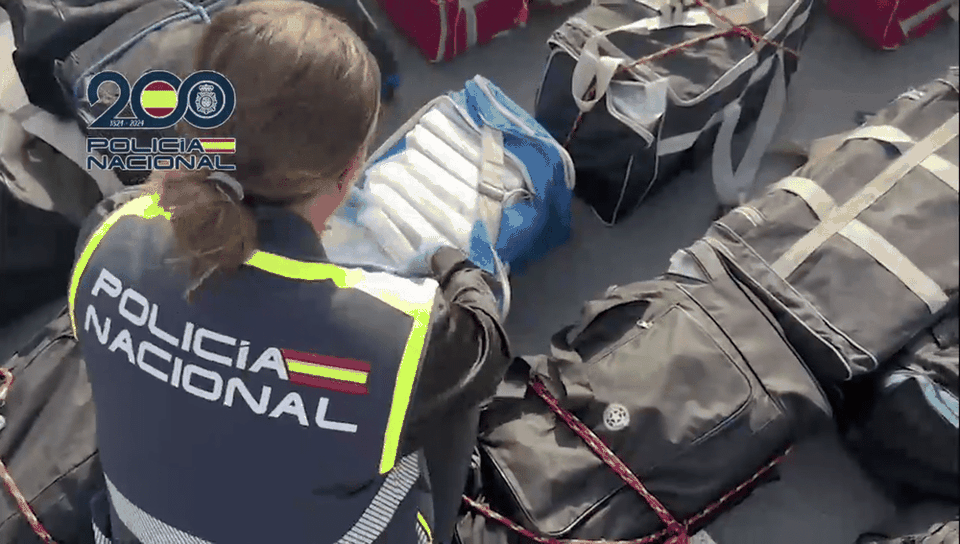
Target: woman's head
<point>307,100</point>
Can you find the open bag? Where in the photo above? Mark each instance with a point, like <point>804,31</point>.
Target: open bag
<point>470,170</point>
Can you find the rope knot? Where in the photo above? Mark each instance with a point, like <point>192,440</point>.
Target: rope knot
<point>679,532</point>
<point>747,33</point>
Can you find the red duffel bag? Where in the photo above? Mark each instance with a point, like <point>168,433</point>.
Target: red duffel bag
<point>443,29</point>
<point>888,24</point>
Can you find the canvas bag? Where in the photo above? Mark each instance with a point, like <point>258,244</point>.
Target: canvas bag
<point>687,379</point>
<point>857,251</point>
<point>470,170</point>
<point>926,522</point>
<point>888,24</point>
<point>636,98</point>
<point>444,29</point>
<point>44,196</point>
<point>909,434</point>
<point>48,440</point>
<point>46,31</point>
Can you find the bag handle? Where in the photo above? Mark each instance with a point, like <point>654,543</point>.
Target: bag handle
<point>733,186</point>
<point>491,171</point>
<point>594,66</point>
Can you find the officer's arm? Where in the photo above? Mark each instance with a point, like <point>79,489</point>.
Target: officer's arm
<point>468,350</point>
<point>104,208</point>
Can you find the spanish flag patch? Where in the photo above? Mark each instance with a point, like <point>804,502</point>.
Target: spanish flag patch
<point>218,145</point>
<point>334,373</point>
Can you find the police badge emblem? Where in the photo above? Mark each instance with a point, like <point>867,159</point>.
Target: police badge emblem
<point>206,100</point>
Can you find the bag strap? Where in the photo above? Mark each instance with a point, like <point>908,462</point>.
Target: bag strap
<point>592,66</point>
<point>8,482</point>
<point>491,205</point>
<point>677,530</point>
<point>733,186</point>
<point>910,23</point>
<point>843,215</point>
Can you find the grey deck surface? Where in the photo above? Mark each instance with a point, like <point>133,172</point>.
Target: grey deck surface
<point>823,497</point>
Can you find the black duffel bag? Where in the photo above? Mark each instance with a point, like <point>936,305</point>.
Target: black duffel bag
<point>928,522</point>
<point>907,433</point>
<point>641,90</point>
<point>48,441</point>
<point>664,405</point>
<point>47,32</point>
<point>44,196</point>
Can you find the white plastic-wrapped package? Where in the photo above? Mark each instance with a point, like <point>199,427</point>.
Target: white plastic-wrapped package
<point>449,223</point>
<point>419,232</point>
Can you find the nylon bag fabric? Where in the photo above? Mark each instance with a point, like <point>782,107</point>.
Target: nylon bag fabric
<point>641,90</point>
<point>470,170</point>
<point>35,256</point>
<point>687,378</point>
<point>162,35</point>
<point>857,251</point>
<point>940,533</point>
<point>46,31</point>
<point>48,442</point>
<point>888,24</point>
<point>444,29</point>
<point>44,196</point>
<point>926,522</point>
<point>909,437</point>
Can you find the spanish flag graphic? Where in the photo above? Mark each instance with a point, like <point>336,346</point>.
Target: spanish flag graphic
<point>159,99</point>
<point>335,373</point>
<point>218,145</point>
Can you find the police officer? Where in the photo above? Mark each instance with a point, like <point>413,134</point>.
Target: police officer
<point>247,390</point>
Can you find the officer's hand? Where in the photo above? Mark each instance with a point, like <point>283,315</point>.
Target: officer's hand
<point>422,264</point>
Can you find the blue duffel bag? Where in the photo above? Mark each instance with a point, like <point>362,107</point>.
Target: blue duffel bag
<point>470,170</point>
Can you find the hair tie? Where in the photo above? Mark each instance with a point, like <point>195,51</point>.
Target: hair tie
<point>222,179</point>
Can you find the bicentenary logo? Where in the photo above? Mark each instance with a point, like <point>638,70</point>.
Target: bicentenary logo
<point>159,100</point>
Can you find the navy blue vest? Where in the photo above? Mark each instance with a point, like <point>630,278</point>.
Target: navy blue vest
<point>268,410</point>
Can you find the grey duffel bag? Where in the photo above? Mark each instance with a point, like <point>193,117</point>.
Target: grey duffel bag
<point>857,251</point>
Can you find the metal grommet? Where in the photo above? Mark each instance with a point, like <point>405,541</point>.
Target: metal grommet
<point>616,417</point>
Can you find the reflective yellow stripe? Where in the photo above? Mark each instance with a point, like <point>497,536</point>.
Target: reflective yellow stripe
<point>425,526</point>
<point>145,206</point>
<point>299,270</point>
<point>416,301</point>
<point>406,376</point>
<point>412,298</point>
